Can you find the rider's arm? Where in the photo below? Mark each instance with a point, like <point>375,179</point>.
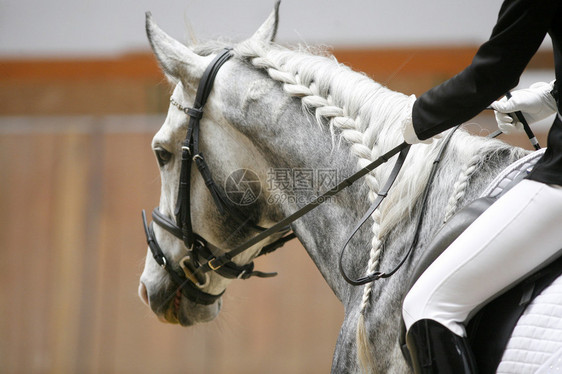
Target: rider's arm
<point>496,68</point>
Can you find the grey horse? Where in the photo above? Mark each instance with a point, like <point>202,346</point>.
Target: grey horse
<point>273,108</point>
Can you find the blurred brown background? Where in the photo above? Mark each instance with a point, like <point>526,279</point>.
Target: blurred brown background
<point>76,169</point>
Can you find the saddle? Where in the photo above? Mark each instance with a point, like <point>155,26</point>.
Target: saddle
<point>490,329</point>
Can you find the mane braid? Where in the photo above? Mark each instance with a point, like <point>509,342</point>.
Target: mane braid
<point>460,186</point>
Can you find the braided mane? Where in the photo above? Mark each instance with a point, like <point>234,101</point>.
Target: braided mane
<point>353,107</point>
<point>367,116</point>
<point>356,109</point>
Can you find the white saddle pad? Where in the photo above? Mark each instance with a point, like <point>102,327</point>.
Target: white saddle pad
<point>536,343</point>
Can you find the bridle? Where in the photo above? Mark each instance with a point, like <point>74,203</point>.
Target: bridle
<point>199,250</point>
<point>192,274</point>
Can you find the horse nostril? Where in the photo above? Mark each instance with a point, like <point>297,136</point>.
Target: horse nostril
<point>143,293</point>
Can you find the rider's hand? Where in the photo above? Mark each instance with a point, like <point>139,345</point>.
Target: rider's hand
<point>535,103</point>
<point>408,131</point>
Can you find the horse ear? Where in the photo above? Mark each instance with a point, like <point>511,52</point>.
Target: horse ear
<point>267,31</point>
<point>176,60</point>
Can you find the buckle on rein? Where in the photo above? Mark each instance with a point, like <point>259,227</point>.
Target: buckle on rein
<point>212,266</point>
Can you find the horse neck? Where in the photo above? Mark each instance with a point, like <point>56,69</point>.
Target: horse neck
<point>334,135</point>
<point>323,230</point>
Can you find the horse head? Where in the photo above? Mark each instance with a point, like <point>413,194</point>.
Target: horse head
<point>224,181</point>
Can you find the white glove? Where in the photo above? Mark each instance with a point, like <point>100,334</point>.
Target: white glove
<point>535,103</point>
<point>408,131</point>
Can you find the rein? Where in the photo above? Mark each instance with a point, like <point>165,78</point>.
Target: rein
<point>521,118</point>
<point>218,262</point>
<point>380,197</point>
<point>201,259</point>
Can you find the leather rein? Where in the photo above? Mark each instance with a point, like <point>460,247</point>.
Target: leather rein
<point>192,274</point>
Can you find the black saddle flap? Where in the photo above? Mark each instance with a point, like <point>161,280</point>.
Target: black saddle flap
<point>448,233</point>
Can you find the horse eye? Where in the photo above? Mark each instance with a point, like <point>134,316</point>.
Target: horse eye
<point>163,156</point>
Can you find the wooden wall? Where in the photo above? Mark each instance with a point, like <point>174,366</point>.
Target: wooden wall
<point>133,83</point>
<point>75,172</point>
<point>73,247</point>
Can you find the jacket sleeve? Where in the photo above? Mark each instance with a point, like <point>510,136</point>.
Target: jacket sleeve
<point>495,69</point>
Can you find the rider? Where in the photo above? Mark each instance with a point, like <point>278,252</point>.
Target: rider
<point>515,236</point>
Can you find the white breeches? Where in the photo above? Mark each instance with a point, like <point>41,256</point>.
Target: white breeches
<point>520,232</point>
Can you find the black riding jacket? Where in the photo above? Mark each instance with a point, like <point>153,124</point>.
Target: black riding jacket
<point>521,27</point>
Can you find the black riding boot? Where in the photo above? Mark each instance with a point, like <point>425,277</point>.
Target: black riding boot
<point>436,349</point>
